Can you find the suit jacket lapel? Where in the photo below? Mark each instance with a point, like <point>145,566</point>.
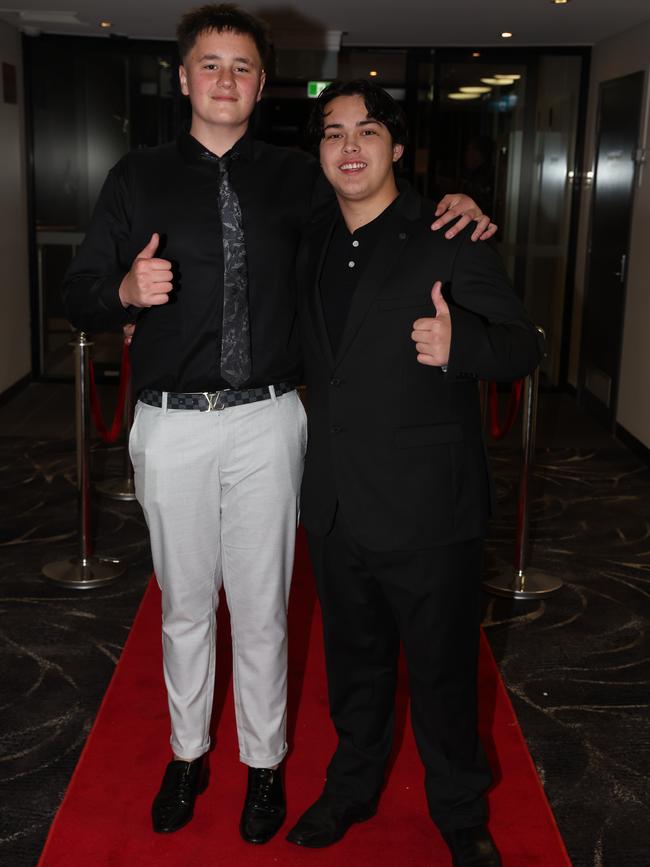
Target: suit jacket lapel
<point>320,243</point>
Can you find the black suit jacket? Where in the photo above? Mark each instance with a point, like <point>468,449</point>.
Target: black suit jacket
<point>396,444</point>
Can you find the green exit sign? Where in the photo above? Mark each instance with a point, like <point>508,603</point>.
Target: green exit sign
<point>315,88</point>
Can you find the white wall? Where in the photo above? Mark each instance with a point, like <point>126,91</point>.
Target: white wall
<point>622,55</point>
<point>15,341</point>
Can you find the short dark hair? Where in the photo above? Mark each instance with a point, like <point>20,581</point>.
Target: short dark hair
<point>380,105</point>
<point>220,17</point>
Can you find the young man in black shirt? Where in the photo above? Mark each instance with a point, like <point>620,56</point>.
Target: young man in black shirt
<point>396,490</point>
<point>196,242</point>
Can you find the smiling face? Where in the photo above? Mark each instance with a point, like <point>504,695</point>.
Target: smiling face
<point>357,154</point>
<point>223,77</point>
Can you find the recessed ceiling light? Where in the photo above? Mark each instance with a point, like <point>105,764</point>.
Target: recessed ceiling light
<point>559,2</point>
<point>507,76</point>
<point>506,34</point>
<point>463,95</point>
<point>473,89</point>
<point>373,73</point>
<point>105,24</point>
<point>498,82</point>
<point>476,53</point>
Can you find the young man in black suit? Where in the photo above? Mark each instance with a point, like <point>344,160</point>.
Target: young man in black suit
<point>398,326</point>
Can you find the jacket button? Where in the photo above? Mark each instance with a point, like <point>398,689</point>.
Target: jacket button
<point>336,429</point>
<point>336,382</point>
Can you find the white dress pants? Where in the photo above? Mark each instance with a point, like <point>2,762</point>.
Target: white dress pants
<point>220,492</point>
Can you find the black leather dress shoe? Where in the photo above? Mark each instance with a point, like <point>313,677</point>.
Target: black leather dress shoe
<point>472,847</point>
<point>264,807</point>
<point>327,820</point>
<point>173,806</point>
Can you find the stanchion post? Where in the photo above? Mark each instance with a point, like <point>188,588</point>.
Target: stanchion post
<point>123,488</point>
<point>529,433</point>
<point>525,582</point>
<point>86,571</point>
<point>82,429</point>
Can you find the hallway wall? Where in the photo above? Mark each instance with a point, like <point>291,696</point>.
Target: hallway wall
<point>15,338</point>
<point>622,55</point>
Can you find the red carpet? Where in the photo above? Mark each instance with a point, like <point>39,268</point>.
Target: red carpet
<point>104,819</point>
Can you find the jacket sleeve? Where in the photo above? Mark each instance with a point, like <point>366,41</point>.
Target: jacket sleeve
<point>92,282</point>
<point>491,335</point>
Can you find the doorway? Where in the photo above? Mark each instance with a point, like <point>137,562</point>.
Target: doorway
<point>619,114</point>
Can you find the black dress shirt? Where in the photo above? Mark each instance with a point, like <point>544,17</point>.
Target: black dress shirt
<point>347,256</point>
<point>173,190</point>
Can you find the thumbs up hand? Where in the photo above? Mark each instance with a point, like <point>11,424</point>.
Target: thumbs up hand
<point>149,281</point>
<point>432,336</point>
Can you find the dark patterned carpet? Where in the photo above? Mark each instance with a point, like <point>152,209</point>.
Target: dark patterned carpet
<point>576,664</point>
<point>58,648</point>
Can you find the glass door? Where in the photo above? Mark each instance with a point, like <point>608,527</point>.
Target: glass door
<point>105,99</point>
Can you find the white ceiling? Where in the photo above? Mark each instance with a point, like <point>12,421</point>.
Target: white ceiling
<point>364,22</point>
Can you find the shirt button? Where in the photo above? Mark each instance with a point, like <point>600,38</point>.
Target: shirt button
<point>402,236</point>
<point>336,382</point>
<point>351,264</point>
<point>355,243</point>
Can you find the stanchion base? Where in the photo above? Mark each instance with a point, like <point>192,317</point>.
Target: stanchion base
<point>528,584</point>
<point>117,489</point>
<point>82,574</point>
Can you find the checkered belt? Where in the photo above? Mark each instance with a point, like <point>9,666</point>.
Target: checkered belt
<point>206,401</point>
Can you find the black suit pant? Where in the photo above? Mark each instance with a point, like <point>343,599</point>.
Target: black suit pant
<point>429,601</point>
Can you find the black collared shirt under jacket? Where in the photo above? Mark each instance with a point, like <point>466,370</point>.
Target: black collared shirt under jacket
<point>346,258</point>
<point>172,190</point>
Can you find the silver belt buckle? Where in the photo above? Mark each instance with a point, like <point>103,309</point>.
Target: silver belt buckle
<point>213,398</point>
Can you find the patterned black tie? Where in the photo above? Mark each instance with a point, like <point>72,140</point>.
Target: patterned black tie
<point>235,328</point>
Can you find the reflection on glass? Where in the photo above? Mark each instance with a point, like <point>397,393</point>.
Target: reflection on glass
<point>479,140</point>
<point>102,102</point>
<point>549,210</point>
<point>509,144</point>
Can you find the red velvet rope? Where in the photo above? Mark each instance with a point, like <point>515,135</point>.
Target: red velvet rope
<point>497,430</point>
<point>109,436</point>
